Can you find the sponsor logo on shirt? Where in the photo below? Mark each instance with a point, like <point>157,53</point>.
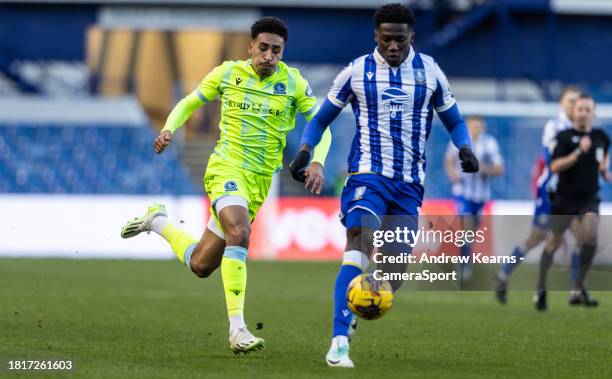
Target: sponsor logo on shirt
<point>255,108</point>
<point>395,100</point>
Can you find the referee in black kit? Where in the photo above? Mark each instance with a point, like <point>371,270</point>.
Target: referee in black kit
<point>579,156</point>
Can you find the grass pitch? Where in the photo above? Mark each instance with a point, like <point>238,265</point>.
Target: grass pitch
<point>155,320</point>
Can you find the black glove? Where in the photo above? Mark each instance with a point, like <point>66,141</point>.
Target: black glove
<point>469,162</point>
<point>298,166</point>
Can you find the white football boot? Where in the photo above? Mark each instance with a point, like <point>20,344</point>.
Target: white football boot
<point>143,223</point>
<point>242,341</point>
<point>338,355</point>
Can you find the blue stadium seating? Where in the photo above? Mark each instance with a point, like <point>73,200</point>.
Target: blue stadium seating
<point>87,159</point>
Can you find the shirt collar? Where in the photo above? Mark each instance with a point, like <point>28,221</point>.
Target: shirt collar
<point>378,58</point>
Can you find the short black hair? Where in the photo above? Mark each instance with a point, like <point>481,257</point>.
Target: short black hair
<point>570,88</point>
<point>394,13</point>
<point>584,95</point>
<point>270,24</point>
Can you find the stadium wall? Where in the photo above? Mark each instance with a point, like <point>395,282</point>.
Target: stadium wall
<point>290,228</point>
<point>58,31</point>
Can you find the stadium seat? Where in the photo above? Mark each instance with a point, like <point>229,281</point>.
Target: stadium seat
<point>87,159</point>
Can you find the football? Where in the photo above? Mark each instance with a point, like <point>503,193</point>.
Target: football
<point>369,298</point>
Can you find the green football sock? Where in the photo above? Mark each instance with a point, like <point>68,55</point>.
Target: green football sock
<point>234,274</point>
<point>181,242</point>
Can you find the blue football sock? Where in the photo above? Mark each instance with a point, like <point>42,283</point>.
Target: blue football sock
<point>575,265</point>
<point>343,315</point>
<point>507,268</point>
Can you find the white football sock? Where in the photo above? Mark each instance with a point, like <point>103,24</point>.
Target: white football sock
<point>236,321</point>
<point>158,223</point>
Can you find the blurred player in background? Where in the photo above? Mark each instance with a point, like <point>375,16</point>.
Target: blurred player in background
<point>260,98</point>
<point>393,92</point>
<point>545,185</point>
<point>472,191</point>
<point>579,157</point>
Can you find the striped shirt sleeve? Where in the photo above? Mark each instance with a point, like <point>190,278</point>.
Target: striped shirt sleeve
<point>341,91</point>
<point>443,98</point>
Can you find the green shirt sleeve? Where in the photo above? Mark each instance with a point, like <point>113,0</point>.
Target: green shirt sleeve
<point>210,87</point>
<point>306,102</point>
<point>321,150</point>
<point>182,111</point>
<point>307,106</point>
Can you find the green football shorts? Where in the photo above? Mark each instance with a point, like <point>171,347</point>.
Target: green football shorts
<point>224,179</point>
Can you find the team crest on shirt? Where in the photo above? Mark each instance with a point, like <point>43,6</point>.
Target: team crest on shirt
<point>419,76</point>
<point>230,186</point>
<point>280,88</point>
<point>395,100</point>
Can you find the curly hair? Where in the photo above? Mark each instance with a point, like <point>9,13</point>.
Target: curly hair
<point>272,25</point>
<point>394,13</point>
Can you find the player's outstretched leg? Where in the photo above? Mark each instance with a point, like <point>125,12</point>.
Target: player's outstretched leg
<point>156,219</point>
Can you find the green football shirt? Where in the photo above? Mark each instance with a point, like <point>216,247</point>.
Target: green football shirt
<point>256,115</point>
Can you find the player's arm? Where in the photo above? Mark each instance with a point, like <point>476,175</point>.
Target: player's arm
<point>307,105</point>
<point>445,105</point>
<point>449,163</point>
<point>179,115</point>
<point>563,158</point>
<point>339,95</point>
<point>207,90</point>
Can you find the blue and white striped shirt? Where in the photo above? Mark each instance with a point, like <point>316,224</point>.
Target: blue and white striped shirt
<point>476,187</point>
<point>394,110</point>
<point>547,180</point>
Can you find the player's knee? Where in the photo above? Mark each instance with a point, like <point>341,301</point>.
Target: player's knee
<point>202,269</point>
<point>238,234</point>
<point>589,237</point>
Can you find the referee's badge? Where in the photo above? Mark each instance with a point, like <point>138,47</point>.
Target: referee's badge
<point>280,88</point>
<point>419,76</point>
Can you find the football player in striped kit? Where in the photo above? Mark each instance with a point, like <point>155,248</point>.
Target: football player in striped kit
<point>393,92</point>
<point>472,191</point>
